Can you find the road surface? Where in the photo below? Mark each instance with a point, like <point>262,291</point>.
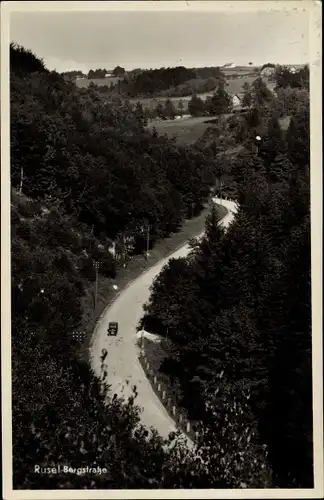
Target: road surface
<point>123,367</point>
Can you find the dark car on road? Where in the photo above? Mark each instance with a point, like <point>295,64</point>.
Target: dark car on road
<point>112,328</point>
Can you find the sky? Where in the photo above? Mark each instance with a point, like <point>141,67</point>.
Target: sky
<point>90,40</point>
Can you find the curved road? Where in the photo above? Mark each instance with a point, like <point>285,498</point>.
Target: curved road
<point>123,368</point>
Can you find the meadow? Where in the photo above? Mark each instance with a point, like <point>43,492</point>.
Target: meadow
<point>189,129</point>
<point>185,130</point>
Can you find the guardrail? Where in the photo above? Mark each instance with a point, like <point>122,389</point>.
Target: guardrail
<point>170,404</point>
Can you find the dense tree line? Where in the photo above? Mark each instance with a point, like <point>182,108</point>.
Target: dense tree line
<point>97,159</point>
<point>267,65</point>
<point>219,103</point>
<point>241,305</point>
<point>198,86</point>
<point>153,81</point>
<point>163,82</point>
<point>209,72</point>
<point>23,60</point>
<point>287,77</point>
<point>101,73</point>
<point>97,73</point>
<point>72,75</point>
<point>206,80</point>
<point>119,71</point>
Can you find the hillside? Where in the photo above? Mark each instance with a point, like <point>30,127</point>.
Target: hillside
<point>245,345</point>
<point>173,82</point>
<point>91,187</point>
<point>86,177</point>
<point>208,129</point>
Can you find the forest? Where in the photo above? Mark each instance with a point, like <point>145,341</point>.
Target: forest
<point>86,172</point>
<point>171,82</point>
<point>241,305</point>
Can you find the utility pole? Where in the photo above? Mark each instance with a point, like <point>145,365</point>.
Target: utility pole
<point>220,191</point>
<point>147,241</point>
<point>21,179</point>
<point>258,138</point>
<point>96,264</point>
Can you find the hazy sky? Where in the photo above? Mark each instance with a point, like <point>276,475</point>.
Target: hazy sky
<point>89,40</point>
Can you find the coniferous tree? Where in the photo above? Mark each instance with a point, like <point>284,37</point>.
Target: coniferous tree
<point>261,95</point>
<point>298,138</point>
<point>196,106</point>
<point>247,97</point>
<point>272,141</point>
<point>170,110</point>
<point>248,292</point>
<point>220,102</point>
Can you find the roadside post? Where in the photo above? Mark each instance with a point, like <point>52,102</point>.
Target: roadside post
<point>147,241</point>
<point>97,265</point>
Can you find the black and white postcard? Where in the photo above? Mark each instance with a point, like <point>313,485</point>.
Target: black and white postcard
<point>161,182</point>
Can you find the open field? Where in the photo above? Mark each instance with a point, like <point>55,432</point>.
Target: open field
<point>185,130</point>
<point>241,70</point>
<point>188,130</point>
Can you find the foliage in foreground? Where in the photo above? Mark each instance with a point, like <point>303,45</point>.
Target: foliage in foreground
<point>71,420</point>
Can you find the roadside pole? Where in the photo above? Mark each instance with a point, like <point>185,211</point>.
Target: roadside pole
<point>96,264</point>
<point>147,241</point>
<point>21,179</point>
<point>220,189</point>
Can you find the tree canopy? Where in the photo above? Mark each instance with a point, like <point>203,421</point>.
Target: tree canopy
<point>241,305</point>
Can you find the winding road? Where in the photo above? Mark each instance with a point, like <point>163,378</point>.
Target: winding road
<point>123,367</point>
